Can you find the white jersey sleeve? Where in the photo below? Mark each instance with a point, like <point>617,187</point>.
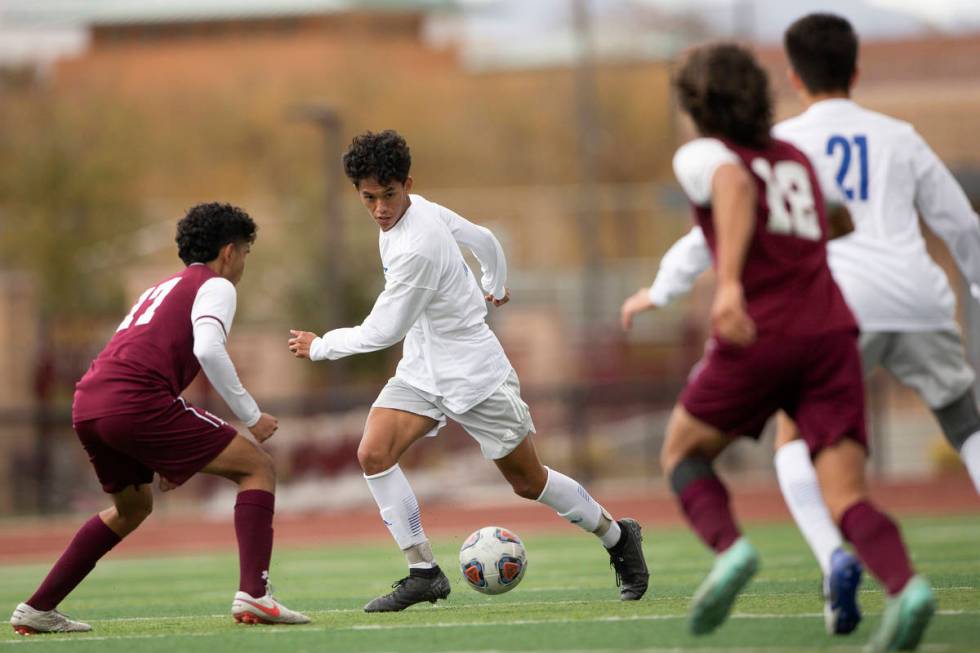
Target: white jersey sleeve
<point>411,283</point>
<point>946,210</point>
<point>695,165</point>
<point>680,267</point>
<point>484,246</point>
<point>211,316</point>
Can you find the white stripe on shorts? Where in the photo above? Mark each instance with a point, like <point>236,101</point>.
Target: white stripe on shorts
<point>207,417</point>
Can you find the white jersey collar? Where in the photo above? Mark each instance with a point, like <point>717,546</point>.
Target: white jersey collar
<point>832,104</point>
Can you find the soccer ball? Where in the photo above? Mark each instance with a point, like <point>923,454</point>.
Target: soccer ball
<point>493,560</point>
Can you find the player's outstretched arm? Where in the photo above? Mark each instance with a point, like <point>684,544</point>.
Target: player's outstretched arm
<point>409,289</point>
<point>487,250</point>
<point>946,210</point>
<point>679,268</point>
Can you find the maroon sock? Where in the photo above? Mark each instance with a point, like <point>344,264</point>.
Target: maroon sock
<point>879,545</point>
<point>253,527</point>
<point>705,503</point>
<point>92,541</point>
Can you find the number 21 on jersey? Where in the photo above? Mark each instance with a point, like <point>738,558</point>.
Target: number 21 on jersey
<point>157,294</point>
<point>838,142</point>
<point>789,195</point>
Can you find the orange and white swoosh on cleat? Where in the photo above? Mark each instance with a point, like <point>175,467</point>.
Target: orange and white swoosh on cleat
<point>247,609</point>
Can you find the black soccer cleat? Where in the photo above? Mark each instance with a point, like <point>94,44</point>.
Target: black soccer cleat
<point>628,561</point>
<point>420,585</point>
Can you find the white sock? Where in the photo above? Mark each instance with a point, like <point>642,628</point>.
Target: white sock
<point>611,537</point>
<point>400,512</point>
<point>970,453</point>
<point>801,490</point>
<point>571,501</point>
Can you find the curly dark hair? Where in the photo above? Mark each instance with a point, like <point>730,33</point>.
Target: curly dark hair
<point>384,156</point>
<point>727,94</point>
<point>823,50</point>
<point>208,227</point>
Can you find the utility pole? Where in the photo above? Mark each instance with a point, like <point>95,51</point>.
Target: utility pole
<point>333,274</point>
<point>586,219</point>
<point>587,125</point>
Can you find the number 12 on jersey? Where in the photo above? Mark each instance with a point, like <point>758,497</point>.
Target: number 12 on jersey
<point>789,196</point>
<point>838,142</point>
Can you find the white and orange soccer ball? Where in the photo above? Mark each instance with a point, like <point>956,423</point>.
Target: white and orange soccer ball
<point>493,560</point>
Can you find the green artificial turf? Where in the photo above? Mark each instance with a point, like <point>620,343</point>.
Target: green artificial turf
<point>567,601</point>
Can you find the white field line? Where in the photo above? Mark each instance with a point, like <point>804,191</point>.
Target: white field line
<point>483,606</point>
<point>468,624</point>
<point>639,617</point>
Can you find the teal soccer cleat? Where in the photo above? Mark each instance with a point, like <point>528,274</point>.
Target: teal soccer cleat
<point>905,618</point>
<point>731,572</point>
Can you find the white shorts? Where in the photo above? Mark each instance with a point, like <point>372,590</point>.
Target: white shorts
<point>930,362</point>
<point>499,423</point>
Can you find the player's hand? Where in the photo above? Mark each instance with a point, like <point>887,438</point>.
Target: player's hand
<point>300,343</point>
<point>635,304</point>
<point>166,484</point>
<point>498,302</point>
<point>265,428</point>
<point>729,317</point>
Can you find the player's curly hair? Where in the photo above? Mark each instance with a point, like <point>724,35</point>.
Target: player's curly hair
<point>384,156</point>
<point>823,50</point>
<point>727,94</point>
<point>208,227</point>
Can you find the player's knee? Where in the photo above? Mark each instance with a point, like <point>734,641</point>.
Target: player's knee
<point>374,459</point>
<point>959,420</point>
<point>132,515</point>
<point>527,487</point>
<point>266,466</point>
<point>687,470</point>
<point>786,431</point>
<point>258,465</point>
<point>671,455</point>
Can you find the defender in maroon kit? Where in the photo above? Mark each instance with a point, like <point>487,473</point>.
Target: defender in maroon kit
<point>132,421</point>
<point>783,339</point>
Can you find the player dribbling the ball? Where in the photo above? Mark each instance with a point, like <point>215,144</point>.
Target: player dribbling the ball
<point>453,367</point>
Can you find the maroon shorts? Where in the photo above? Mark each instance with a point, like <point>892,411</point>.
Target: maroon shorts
<point>816,379</point>
<point>175,441</point>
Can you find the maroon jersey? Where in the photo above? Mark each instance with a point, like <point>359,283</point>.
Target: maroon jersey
<point>150,360</point>
<point>788,286</point>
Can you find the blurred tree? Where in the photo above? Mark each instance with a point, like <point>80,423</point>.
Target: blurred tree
<point>67,183</point>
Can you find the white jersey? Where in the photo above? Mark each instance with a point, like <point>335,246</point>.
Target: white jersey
<point>887,175</point>
<point>433,302</point>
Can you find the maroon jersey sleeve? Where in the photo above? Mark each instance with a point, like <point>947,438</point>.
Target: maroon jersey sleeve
<point>787,282</point>
<point>150,358</point>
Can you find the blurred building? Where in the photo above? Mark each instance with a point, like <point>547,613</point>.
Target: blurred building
<point>198,101</point>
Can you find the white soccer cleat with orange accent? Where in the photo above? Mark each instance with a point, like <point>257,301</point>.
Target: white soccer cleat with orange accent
<point>264,610</point>
<point>28,621</point>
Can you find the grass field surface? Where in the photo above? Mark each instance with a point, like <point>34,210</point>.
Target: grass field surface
<point>566,602</point>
